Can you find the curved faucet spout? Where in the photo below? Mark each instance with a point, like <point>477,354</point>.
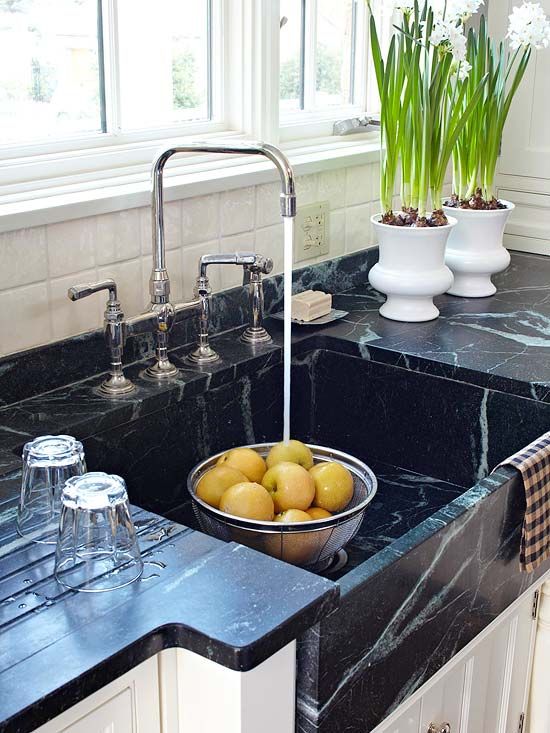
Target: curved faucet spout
<point>160,283</point>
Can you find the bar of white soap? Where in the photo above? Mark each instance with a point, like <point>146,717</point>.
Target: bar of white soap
<point>310,304</point>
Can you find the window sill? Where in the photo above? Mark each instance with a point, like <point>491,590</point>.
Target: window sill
<point>132,190</point>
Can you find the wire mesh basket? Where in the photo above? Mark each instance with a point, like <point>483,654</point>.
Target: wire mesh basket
<point>308,544</point>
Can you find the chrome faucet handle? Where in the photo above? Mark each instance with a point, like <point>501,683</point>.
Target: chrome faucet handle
<point>115,334</point>
<point>204,353</point>
<point>76,292</point>
<point>252,276</point>
<point>230,258</point>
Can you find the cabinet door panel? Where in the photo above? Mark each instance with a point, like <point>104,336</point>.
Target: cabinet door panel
<point>442,702</point>
<point>407,722</point>
<point>130,704</point>
<point>526,143</point>
<point>115,716</point>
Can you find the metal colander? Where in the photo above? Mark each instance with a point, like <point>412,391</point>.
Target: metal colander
<point>308,544</point>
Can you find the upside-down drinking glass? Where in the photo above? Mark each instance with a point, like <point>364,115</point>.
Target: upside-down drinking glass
<point>97,548</point>
<point>48,462</point>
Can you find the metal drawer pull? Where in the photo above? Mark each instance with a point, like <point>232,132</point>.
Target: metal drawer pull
<point>439,728</point>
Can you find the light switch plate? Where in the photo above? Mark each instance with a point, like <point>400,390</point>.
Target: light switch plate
<point>311,231</point>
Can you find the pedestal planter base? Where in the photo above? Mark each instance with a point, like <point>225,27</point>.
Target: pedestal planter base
<point>409,309</point>
<point>411,270</point>
<point>475,250</point>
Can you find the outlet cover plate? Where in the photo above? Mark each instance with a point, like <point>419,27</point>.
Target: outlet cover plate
<point>311,231</point>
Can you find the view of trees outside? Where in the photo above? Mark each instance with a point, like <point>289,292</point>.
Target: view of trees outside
<point>49,82</point>
<point>49,66</point>
<point>332,54</point>
<point>163,59</point>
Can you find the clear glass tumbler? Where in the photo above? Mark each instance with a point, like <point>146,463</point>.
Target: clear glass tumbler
<point>97,548</point>
<point>48,462</point>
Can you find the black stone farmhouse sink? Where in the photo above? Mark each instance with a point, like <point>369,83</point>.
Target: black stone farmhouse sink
<point>436,558</point>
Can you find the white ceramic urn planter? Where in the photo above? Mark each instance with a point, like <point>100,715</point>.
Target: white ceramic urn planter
<point>411,270</point>
<point>475,250</point>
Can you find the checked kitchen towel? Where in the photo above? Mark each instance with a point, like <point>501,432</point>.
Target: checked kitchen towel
<point>533,463</point>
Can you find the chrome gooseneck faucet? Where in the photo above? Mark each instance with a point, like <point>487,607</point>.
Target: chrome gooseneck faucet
<point>159,283</point>
<point>161,314</point>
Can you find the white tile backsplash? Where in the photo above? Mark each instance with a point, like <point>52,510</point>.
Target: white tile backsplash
<point>337,233</point>
<point>358,184</point>
<point>32,325</point>
<point>118,236</point>
<point>237,211</point>
<point>200,219</point>
<point>332,187</point>
<point>69,317</point>
<point>268,207</point>
<point>357,228</point>
<point>306,190</point>
<point>71,246</point>
<point>23,257</point>
<point>119,245</point>
<point>269,243</point>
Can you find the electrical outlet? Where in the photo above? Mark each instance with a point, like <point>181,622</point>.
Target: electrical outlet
<point>311,231</point>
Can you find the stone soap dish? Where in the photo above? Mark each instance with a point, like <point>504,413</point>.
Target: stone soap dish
<point>334,315</point>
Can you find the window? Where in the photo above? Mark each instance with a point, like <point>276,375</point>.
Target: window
<point>88,88</point>
<point>104,67</point>
<point>49,69</point>
<point>322,60</point>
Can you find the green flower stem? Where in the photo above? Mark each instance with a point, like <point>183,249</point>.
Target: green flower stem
<point>478,146</point>
<point>424,112</point>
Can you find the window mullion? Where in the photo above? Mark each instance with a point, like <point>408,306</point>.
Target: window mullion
<point>310,55</point>
<point>111,66</point>
<point>261,68</point>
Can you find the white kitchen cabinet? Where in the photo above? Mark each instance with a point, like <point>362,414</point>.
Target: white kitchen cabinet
<point>130,704</point>
<point>198,696</point>
<point>179,691</point>
<point>524,165</point>
<point>484,688</point>
<point>539,698</point>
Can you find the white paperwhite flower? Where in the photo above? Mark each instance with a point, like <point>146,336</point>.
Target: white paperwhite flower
<point>462,70</point>
<point>529,26</point>
<point>403,6</point>
<point>450,38</point>
<point>456,10</point>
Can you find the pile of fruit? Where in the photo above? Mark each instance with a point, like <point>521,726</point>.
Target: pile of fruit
<point>285,487</point>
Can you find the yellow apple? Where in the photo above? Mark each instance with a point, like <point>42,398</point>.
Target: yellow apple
<point>245,460</point>
<point>214,482</point>
<point>291,516</point>
<point>315,512</point>
<point>292,452</point>
<point>248,500</point>
<point>290,486</point>
<point>333,486</point>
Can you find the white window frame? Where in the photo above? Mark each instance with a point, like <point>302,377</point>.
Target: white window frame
<point>248,33</point>
<point>311,123</point>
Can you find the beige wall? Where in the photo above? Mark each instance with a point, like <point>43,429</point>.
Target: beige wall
<point>37,265</point>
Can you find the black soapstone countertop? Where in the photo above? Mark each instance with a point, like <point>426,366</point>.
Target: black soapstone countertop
<point>197,592</point>
<point>223,601</point>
